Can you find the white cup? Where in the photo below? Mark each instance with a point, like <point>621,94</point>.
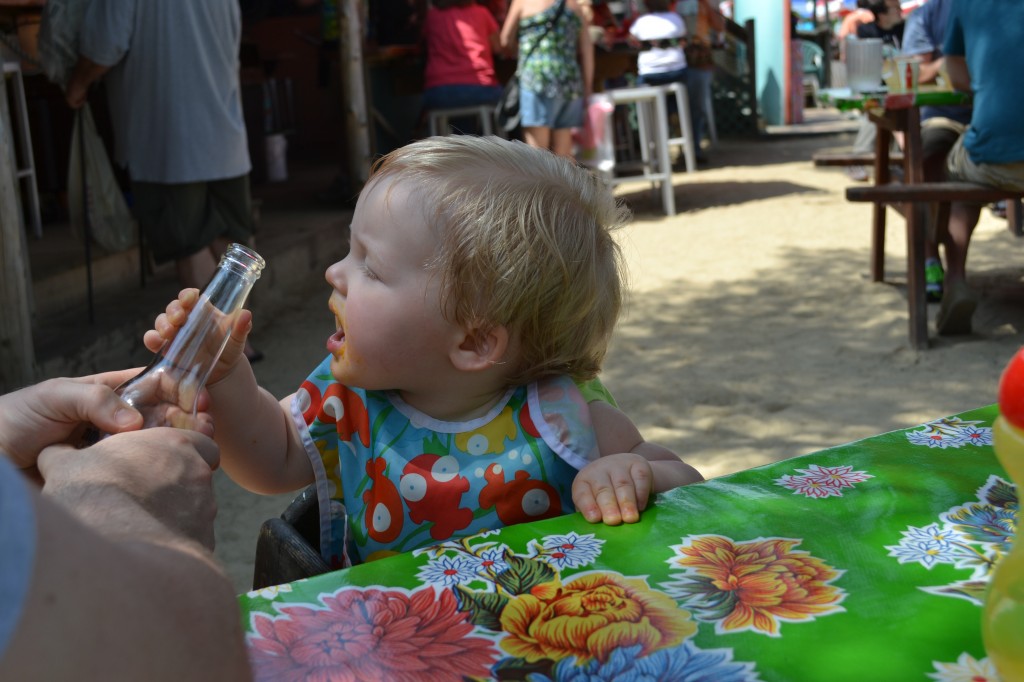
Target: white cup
<point>864,64</point>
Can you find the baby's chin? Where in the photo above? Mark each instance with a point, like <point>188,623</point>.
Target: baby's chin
<point>341,370</point>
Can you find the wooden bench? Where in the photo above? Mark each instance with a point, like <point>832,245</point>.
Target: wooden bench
<point>852,159</point>
<point>936,196</point>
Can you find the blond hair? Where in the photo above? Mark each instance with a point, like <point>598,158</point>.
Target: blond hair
<point>524,241</point>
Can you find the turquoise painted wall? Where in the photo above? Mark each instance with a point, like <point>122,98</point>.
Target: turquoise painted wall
<point>771,33</point>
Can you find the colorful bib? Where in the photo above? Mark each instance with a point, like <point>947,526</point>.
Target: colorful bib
<point>405,480</point>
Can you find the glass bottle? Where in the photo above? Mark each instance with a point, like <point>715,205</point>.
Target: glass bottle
<point>166,391</point>
<point>1003,619</point>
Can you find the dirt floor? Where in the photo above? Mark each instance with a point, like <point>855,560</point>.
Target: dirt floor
<point>753,332</point>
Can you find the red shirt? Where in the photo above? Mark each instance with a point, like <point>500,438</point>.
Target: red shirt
<point>458,46</point>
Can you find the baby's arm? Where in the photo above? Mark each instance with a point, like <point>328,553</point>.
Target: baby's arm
<point>260,445</point>
<point>615,488</point>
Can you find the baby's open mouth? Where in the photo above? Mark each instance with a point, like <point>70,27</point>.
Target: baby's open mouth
<point>336,341</point>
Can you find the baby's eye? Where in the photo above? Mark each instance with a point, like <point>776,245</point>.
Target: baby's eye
<point>370,274</point>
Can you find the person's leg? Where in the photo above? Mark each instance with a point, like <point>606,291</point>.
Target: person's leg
<point>229,216</point>
<point>938,135</point>
<point>535,119</point>
<point>958,301</point>
<point>698,89</point>
<point>196,270</point>
<point>567,115</point>
<point>561,142</point>
<point>963,218</point>
<point>537,136</point>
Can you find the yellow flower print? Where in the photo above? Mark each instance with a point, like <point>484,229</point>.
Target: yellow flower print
<point>753,585</point>
<point>489,438</point>
<point>589,617</point>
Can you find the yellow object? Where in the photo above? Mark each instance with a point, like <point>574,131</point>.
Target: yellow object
<point>1003,620</point>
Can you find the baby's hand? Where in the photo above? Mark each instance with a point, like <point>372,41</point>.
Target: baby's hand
<point>614,489</point>
<point>167,324</point>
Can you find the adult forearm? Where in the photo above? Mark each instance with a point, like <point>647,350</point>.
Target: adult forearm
<point>85,73</point>
<point>153,607</point>
<point>956,67</point>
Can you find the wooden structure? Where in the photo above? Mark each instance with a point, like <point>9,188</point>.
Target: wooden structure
<point>17,358</point>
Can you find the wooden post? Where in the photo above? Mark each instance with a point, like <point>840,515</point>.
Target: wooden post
<point>351,23</point>
<point>17,358</point>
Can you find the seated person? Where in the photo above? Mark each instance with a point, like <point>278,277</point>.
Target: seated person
<point>940,126</point>
<point>660,35</point>
<point>460,38</point>
<point>982,51</point>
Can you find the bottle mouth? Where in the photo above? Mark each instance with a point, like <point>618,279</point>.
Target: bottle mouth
<point>245,257</point>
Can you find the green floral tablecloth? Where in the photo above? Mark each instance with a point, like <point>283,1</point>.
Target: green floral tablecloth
<point>844,99</point>
<point>866,561</point>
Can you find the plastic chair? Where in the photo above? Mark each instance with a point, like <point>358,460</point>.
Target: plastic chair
<point>437,119</point>
<point>813,68</point>
<point>652,124</point>
<point>686,138</point>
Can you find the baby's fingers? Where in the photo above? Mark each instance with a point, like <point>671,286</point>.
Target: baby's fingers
<point>583,498</point>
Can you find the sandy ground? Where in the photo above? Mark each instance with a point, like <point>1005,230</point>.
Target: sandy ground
<point>753,332</point>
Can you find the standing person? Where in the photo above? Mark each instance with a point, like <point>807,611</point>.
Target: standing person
<point>706,25</point>
<point>941,126</point>
<point>111,558</point>
<point>984,47</point>
<point>556,69</point>
<point>482,282</point>
<point>171,69</point>
<point>460,38</point>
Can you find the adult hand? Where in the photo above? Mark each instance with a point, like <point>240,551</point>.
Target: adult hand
<point>166,472</point>
<point>613,489</point>
<point>76,95</point>
<point>57,411</point>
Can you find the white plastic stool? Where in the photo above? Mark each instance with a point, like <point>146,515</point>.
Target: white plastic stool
<point>438,118</point>
<point>27,172</point>
<point>652,123</point>
<point>686,138</point>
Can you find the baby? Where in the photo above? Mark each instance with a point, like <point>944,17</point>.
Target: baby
<point>480,291</point>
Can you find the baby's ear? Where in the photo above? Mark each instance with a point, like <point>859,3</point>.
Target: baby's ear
<point>480,349</point>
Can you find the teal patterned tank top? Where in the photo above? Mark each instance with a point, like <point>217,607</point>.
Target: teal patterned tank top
<point>391,479</point>
<point>552,68</point>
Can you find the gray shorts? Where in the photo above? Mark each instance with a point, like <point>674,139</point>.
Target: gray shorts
<point>181,219</point>
<point>1008,176</point>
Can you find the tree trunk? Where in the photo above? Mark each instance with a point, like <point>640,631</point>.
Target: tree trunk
<point>351,23</point>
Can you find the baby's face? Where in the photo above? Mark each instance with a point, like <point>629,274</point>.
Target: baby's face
<point>390,330</point>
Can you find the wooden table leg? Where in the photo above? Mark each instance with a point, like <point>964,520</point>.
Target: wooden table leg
<point>917,222</point>
<point>883,138</point>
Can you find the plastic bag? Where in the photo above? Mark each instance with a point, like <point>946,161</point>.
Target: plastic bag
<point>595,146</point>
<point>110,220</point>
<point>58,38</point>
